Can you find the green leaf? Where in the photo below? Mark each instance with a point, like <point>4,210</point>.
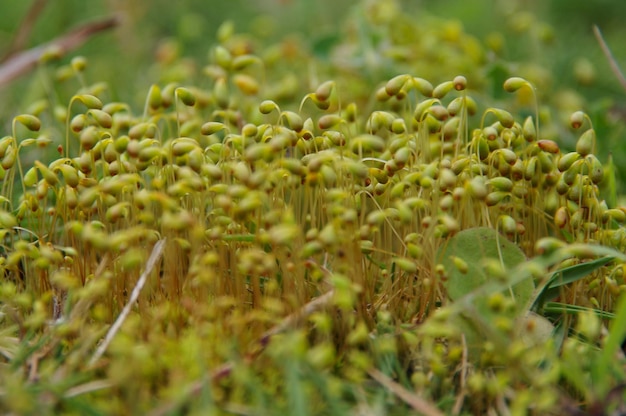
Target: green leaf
<point>566,276</point>
<point>472,248</point>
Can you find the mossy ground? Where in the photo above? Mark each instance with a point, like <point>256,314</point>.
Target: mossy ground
<point>280,230</point>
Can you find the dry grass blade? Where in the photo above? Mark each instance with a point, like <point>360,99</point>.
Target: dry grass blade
<point>155,256</point>
<point>24,61</point>
<point>609,56</point>
<point>291,320</point>
<point>417,403</point>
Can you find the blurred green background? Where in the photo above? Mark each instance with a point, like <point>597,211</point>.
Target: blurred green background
<point>550,42</point>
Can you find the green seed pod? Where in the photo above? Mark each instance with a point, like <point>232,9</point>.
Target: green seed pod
<point>566,161</point>
<point>294,121</point>
<point>447,179</point>
<point>494,198</point>
<point>446,202</point>
<point>422,108</point>
<point>89,137</point>
<point>350,113</point>
<point>155,100</point>
<point>121,143</point>
<point>48,175</point>
<point>571,174</point>
<point>395,84</point>
<point>402,156</point>
<point>30,177</point>
<point>117,212</point>
<point>614,214</point>
<point>515,83</point>
<point>423,86</point>
<point>397,191</point>
<point>532,168</point>
<point>222,57</point>
<point>405,264</point>
<point>545,162</point>
<point>70,175</point>
<point>181,146</point>
<point>167,95</point>
<point>211,127</point>
<point>561,217</point>
<point>379,120</point>
<point>322,93</point>
<point>508,225</point>
<point>221,94</point>
<point>450,128</point>
<point>528,130</point>
<point>575,191</point>
<point>70,197</point>
<point>367,143</point>
<point>138,131</point>
<point>186,96</point>
<point>548,245</point>
<point>103,119</point>
<point>439,112</point>
<point>243,61</point>
<point>482,148</point>
<point>382,95</point>
<point>78,63</point>
<point>398,126</point>
<point>586,143</point>
<point>504,117</point>
<point>501,184</point>
<point>508,156</point>
<point>459,165</point>
<point>90,101</point>
<point>29,121</point>
<point>443,89</point>
<point>596,170</point>
<point>246,84</point>
<point>476,188</point>
<point>328,121</point>
<point>148,153</point>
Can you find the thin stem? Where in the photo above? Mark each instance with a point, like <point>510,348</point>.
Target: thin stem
<point>609,56</point>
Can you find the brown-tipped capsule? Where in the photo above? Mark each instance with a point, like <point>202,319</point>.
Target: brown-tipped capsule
<point>328,120</point>
<point>561,217</point>
<point>29,121</point>
<point>460,82</point>
<point>577,119</point>
<point>549,146</point>
<point>322,93</point>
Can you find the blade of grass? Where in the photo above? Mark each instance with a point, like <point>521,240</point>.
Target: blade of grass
<point>155,256</point>
<point>560,308</point>
<point>612,344</point>
<point>417,403</point>
<point>566,276</point>
<point>609,56</point>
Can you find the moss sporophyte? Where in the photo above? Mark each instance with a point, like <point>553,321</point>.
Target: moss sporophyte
<point>234,244</point>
